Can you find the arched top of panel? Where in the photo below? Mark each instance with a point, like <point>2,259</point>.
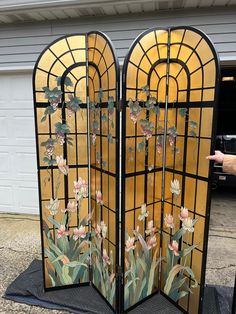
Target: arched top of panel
<point>194,63</point>
<point>103,67</point>
<point>70,56</point>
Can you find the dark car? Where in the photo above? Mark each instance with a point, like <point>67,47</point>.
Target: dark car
<point>226,125</point>
<point>227,145</point>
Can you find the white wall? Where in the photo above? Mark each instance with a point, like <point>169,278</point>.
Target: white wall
<point>21,44</point>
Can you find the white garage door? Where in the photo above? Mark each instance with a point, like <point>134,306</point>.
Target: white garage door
<point>18,176</point>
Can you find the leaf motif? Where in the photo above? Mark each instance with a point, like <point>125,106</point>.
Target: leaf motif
<point>44,118</point>
<point>110,138</point>
<point>54,222</point>
<point>76,264</point>
<point>65,275</point>
<point>174,271</point>
<point>193,124</point>
<point>183,112</point>
<point>192,133</point>
<point>185,252</point>
<point>178,234</point>
<point>141,146</point>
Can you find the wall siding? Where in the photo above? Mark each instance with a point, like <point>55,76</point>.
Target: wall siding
<point>20,45</point>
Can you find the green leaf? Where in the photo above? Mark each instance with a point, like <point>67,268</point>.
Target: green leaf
<point>183,112</point>
<point>44,118</point>
<point>178,234</point>
<point>193,133</point>
<point>110,138</point>
<point>185,252</point>
<point>67,81</point>
<point>144,245</point>
<point>76,264</point>
<point>100,94</point>
<point>174,271</point>
<point>156,110</point>
<point>104,117</point>
<point>65,275</point>
<point>193,124</point>
<point>141,146</point>
<point>104,164</point>
<point>54,222</point>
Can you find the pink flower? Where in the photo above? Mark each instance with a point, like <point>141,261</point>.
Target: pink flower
<point>53,206</point>
<point>80,189</point>
<point>101,230</point>
<point>151,242</point>
<point>183,213</point>
<point>79,233</point>
<point>134,117</point>
<point>144,212</point>
<point>188,224</point>
<point>150,228</point>
<point>61,163</point>
<point>169,221</point>
<point>174,247</point>
<point>62,232</point>
<point>105,257</point>
<point>94,139</point>
<point>99,197</point>
<point>130,244</point>
<point>71,207</point>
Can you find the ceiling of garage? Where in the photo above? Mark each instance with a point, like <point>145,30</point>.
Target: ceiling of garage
<point>12,11</point>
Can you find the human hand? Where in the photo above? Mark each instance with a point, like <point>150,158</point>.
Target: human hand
<point>218,157</point>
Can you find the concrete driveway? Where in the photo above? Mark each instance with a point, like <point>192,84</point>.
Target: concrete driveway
<point>20,244</point>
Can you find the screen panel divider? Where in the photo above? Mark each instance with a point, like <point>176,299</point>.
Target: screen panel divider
<point>124,187</point>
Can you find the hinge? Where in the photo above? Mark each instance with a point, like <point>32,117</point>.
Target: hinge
<point>119,273</point>
<point>119,105</point>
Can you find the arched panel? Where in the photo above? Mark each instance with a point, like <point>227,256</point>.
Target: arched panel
<point>170,85</point>
<point>76,92</point>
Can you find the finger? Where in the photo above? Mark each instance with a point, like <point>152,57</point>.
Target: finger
<point>212,157</point>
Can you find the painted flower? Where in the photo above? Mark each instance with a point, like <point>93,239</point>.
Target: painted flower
<point>79,233</point>
<point>61,163</point>
<point>147,128</point>
<point>174,187</point>
<point>159,144</point>
<point>60,137</point>
<point>150,167</point>
<point>53,206</point>
<point>99,198</point>
<point>144,212</point>
<point>71,207</point>
<point>151,242</point>
<point>183,213</point>
<point>135,110</point>
<point>101,230</point>
<point>94,138</point>
<point>49,150</point>
<point>169,221</point>
<point>80,189</point>
<point>174,246</point>
<point>130,244</point>
<point>62,232</point>
<point>105,257</point>
<point>188,224</point>
<point>150,228</point>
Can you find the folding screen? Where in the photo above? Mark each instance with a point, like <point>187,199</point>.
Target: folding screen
<point>126,209</point>
<point>75,95</point>
<point>170,83</point>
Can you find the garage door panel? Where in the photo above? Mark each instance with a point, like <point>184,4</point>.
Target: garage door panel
<point>18,170</point>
